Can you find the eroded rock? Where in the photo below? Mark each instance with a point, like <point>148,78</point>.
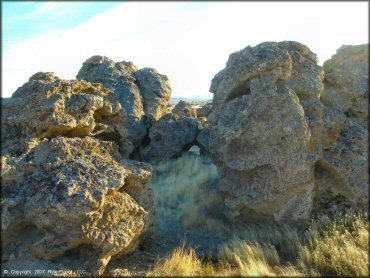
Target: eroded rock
<point>47,105</point>
<point>155,90</point>
<point>204,110</point>
<point>346,99</point>
<point>183,108</point>
<point>143,94</point>
<point>67,185</point>
<point>265,131</point>
<point>169,137</point>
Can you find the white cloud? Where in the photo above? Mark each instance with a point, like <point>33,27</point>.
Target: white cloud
<point>189,42</point>
<point>54,8</point>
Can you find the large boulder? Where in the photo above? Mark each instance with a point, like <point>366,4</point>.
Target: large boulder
<point>67,185</point>
<point>343,168</point>
<point>47,106</point>
<point>265,131</point>
<point>155,90</point>
<point>169,137</point>
<point>143,93</point>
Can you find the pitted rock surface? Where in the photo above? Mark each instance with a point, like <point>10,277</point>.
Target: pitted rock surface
<point>169,137</point>
<point>183,108</point>
<point>155,90</point>
<point>143,94</point>
<point>265,131</point>
<point>344,163</point>
<point>47,105</point>
<point>67,185</point>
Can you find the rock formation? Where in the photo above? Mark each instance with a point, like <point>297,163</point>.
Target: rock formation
<point>156,92</point>
<point>265,127</point>
<point>280,140</point>
<point>342,172</point>
<point>66,183</point>
<point>143,93</point>
<point>183,108</point>
<point>204,110</point>
<point>48,106</point>
<point>169,137</point>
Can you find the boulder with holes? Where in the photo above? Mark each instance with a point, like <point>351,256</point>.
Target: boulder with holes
<point>342,172</point>
<point>67,185</point>
<point>265,131</point>
<point>169,137</point>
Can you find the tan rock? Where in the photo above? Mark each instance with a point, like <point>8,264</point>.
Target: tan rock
<point>47,106</point>
<point>75,192</point>
<point>183,108</point>
<point>264,131</point>
<point>67,186</point>
<point>143,94</point>
<point>344,163</point>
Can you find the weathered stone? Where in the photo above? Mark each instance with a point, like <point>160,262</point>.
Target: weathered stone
<point>204,110</point>
<point>203,138</point>
<point>155,90</point>
<point>183,108</point>
<point>46,106</point>
<point>65,190</point>
<point>264,131</point>
<point>169,137</point>
<point>143,94</point>
<point>345,155</point>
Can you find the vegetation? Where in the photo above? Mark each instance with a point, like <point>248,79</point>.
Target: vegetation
<point>186,196</point>
<point>339,249</point>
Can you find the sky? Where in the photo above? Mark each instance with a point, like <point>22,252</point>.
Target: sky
<point>187,41</point>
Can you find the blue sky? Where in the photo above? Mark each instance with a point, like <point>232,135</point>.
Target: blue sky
<point>188,41</point>
<point>27,19</point>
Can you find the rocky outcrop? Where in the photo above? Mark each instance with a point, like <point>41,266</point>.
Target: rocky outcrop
<point>156,92</point>
<point>48,106</point>
<point>344,163</point>
<point>143,94</point>
<point>67,186</point>
<point>204,110</point>
<point>265,131</point>
<point>203,138</point>
<point>183,108</point>
<point>169,137</point>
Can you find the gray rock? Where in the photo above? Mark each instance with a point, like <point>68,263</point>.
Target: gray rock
<point>66,184</point>
<point>183,108</point>
<point>264,131</point>
<point>155,90</point>
<point>345,157</point>
<point>204,110</point>
<point>169,137</point>
<point>47,105</point>
<point>203,138</point>
<point>143,94</point>
<point>73,190</point>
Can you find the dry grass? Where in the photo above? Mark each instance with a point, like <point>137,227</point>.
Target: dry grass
<point>339,249</point>
<point>336,248</point>
<point>182,262</point>
<point>181,191</point>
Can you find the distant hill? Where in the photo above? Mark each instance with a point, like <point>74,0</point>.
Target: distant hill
<point>177,99</point>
